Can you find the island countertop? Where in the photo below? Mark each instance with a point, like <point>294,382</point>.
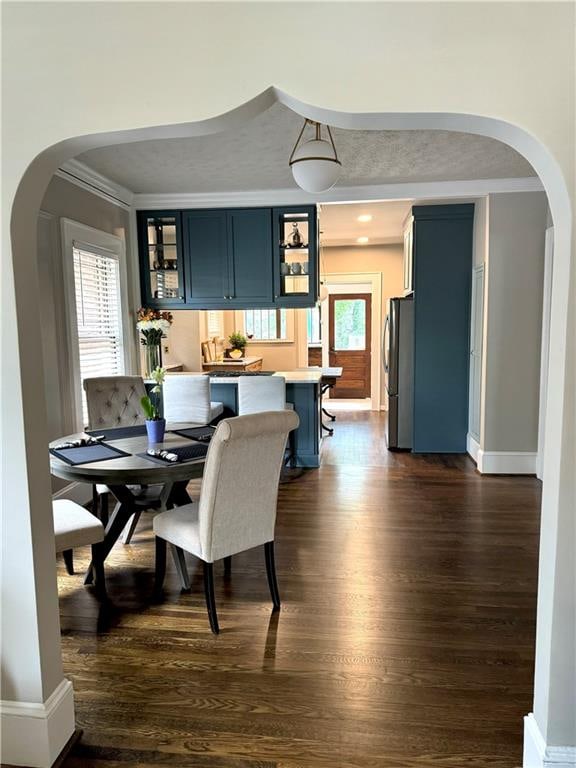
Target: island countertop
<point>303,376</point>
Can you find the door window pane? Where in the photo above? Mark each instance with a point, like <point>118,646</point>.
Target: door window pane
<point>349,324</point>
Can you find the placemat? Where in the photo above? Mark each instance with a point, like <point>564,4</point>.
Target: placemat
<point>202,434</point>
<point>118,433</point>
<point>185,453</point>
<point>88,454</point>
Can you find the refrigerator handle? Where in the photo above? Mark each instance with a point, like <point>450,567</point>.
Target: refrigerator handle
<point>385,350</point>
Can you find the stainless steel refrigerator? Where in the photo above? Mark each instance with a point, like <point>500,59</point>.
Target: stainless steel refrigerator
<point>399,371</point>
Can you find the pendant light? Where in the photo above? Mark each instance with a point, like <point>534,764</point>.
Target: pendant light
<point>314,163</point>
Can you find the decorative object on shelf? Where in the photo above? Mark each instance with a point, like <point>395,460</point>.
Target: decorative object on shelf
<point>237,343</point>
<point>151,405</point>
<point>153,326</point>
<point>296,268</point>
<point>295,237</point>
<point>315,164</point>
<point>284,268</point>
<point>304,267</point>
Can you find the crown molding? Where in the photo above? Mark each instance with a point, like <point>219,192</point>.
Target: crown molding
<point>87,178</point>
<point>406,191</point>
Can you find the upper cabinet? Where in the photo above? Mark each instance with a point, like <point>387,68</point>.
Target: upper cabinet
<point>231,258</point>
<point>161,261</point>
<point>296,256</point>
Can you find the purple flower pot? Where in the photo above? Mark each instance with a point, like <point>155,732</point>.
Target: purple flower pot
<point>155,429</point>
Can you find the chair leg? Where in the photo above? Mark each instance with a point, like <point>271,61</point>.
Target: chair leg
<point>69,561</point>
<point>131,527</point>
<point>228,566</point>
<point>98,570</point>
<point>160,563</point>
<point>180,563</point>
<point>209,593</point>
<point>271,573</point>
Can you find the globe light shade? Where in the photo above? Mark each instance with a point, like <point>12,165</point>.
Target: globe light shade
<point>314,166</point>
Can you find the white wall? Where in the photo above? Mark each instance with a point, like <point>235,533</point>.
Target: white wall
<point>510,63</point>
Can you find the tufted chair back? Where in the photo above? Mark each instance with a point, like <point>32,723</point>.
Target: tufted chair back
<point>114,401</point>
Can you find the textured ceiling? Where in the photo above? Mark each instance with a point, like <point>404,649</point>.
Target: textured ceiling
<point>256,158</point>
<point>340,226</point>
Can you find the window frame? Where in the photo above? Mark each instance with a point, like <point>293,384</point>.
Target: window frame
<point>240,324</point>
<point>81,236</point>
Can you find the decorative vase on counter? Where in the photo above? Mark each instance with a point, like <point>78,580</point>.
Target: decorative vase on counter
<point>153,358</point>
<point>155,429</point>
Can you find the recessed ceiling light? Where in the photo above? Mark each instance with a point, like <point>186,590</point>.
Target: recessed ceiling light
<point>365,217</point>
<point>362,240</point>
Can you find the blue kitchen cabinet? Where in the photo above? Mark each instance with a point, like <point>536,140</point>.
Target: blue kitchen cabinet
<point>442,256</point>
<point>162,270</point>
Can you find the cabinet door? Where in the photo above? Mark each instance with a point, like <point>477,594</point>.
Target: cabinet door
<point>250,257</point>
<point>295,256</point>
<point>162,271</point>
<point>206,255</point>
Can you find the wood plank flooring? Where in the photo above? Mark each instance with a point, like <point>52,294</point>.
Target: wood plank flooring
<point>406,636</point>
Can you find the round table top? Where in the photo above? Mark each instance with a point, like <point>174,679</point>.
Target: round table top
<point>129,470</point>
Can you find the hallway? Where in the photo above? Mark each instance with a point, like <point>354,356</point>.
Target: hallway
<point>406,636</point>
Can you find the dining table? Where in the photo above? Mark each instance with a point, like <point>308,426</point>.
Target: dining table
<point>136,481</point>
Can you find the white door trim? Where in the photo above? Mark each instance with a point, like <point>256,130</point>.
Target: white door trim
<point>545,346</point>
<point>374,281</point>
<point>74,232</point>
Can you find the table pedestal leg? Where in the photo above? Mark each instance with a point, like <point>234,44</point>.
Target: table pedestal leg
<point>173,495</point>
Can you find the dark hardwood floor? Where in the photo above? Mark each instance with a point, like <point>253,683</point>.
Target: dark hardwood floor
<point>405,639</point>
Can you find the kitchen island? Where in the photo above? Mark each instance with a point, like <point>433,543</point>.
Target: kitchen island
<point>302,390</point>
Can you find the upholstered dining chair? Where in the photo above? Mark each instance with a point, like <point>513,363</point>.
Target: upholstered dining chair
<point>114,401</point>
<point>237,506</point>
<point>261,393</point>
<point>265,393</point>
<point>187,399</point>
<point>74,527</point>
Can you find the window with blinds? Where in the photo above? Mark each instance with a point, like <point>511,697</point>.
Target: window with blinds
<point>265,324</point>
<point>98,314</point>
<point>214,323</point>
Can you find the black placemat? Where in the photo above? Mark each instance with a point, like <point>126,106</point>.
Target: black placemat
<point>202,434</point>
<point>88,454</point>
<point>118,433</point>
<point>185,453</point>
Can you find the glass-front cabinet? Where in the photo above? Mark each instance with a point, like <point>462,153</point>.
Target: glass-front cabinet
<point>295,260</point>
<point>161,260</point>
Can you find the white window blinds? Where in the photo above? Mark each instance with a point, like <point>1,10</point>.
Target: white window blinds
<point>214,323</point>
<point>97,288</point>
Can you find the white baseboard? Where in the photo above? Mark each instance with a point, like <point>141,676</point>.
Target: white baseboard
<point>538,755</point>
<point>81,493</point>
<point>472,446</point>
<point>506,462</point>
<point>35,734</point>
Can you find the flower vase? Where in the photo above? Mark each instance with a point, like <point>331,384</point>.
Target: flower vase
<point>155,429</point>
<point>152,358</point>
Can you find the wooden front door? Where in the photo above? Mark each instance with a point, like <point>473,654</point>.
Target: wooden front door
<point>349,338</point>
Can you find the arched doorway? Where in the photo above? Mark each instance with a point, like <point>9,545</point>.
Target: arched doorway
<point>32,409</point>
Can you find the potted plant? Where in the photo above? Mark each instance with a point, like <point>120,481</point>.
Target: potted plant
<point>237,343</point>
<point>152,407</point>
<point>153,326</point>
